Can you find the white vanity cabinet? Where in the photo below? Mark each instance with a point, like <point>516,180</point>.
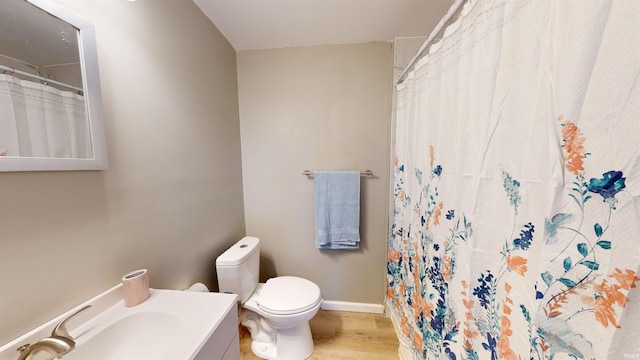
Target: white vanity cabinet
<point>169,325</point>
<point>224,343</point>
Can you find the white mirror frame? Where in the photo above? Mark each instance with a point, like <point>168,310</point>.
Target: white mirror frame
<point>93,99</point>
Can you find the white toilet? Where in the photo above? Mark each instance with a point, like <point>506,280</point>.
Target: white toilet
<point>277,313</point>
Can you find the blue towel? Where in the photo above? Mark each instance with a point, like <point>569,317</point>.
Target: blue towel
<point>337,205</point>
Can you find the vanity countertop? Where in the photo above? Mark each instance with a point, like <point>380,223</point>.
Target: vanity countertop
<point>171,324</point>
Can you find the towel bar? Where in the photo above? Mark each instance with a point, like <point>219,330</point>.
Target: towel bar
<point>362,173</point>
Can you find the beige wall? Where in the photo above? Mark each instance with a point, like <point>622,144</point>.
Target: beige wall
<point>316,108</point>
<point>171,200</point>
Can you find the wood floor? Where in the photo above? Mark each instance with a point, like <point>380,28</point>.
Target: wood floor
<point>340,335</point>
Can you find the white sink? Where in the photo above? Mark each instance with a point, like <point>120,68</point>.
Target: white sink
<point>144,334</point>
<point>169,325</point>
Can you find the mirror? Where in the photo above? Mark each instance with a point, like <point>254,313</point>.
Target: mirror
<point>50,98</point>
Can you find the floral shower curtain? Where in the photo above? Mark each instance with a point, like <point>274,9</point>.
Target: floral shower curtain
<point>37,120</point>
<point>516,226</point>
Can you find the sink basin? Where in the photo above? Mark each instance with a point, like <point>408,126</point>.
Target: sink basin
<point>171,324</point>
<point>145,334</point>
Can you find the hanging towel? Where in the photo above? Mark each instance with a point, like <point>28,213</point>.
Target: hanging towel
<point>337,205</point>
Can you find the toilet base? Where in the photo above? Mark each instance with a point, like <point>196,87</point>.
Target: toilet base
<point>293,343</point>
<point>263,350</point>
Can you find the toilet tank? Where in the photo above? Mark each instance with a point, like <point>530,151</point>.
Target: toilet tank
<point>238,268</point>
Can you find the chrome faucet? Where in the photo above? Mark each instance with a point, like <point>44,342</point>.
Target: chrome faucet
<point>57,345</point>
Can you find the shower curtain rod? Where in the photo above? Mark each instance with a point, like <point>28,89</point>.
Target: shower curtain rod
<point>41,78</point>
<point>452,10</point>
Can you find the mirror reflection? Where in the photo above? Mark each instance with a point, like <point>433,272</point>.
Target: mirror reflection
<point>42,104</point>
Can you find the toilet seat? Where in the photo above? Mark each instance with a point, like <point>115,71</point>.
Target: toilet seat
<point>286,295</point>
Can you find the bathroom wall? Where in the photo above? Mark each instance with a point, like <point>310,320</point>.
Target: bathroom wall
<point>316,108</point>
<point>171,200</point>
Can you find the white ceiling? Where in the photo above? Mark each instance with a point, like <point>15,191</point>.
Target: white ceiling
<point>266,24</point>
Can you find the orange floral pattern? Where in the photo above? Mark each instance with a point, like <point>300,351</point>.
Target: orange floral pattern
<point>626,279</point>
<point>437,213</point>
<point>504,347</point>
<point>486,313</point>
<point>517,264</point>
<point>573,144</point>
<point>581,287</point>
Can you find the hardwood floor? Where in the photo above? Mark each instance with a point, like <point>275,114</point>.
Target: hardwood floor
<point>340,335</point>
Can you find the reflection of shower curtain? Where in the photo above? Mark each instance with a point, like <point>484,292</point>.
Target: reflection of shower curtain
<point>40,121</point>
<point>516,230</point>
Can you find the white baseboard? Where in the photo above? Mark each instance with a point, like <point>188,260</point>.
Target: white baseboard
<point>404,350</point>
<point>352,306</point>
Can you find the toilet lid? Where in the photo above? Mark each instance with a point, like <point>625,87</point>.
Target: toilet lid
<point>288,295</point>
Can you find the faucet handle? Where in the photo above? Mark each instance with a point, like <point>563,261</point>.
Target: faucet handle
<point>61,329</point>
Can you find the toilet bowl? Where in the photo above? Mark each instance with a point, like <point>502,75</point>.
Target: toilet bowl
<point>277,312</point>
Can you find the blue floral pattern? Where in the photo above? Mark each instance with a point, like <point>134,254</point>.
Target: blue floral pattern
<point>447,315</point>
<point>611,183</point>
